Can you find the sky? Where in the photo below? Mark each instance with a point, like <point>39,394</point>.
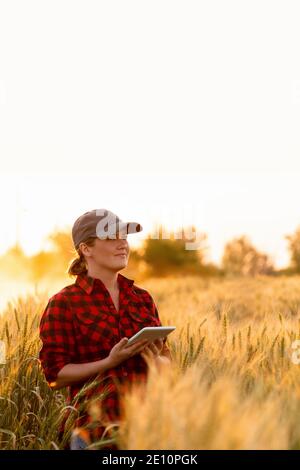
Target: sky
<point>164,110</point>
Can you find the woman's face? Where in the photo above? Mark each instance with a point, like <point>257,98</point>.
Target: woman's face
<point>109,253</point>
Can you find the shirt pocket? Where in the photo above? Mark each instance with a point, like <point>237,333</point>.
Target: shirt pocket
<point>93,329</point>
<point>142,316</point>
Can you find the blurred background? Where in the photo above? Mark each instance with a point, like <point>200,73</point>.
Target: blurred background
<point>172,114</point>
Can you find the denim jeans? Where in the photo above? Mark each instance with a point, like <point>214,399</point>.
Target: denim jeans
<point>77,443</point>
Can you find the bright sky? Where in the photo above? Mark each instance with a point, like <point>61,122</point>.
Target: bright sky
<point>178,111</point>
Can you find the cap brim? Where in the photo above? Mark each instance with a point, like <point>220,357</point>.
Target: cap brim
<point>131,227</point>
<point>120,228</point>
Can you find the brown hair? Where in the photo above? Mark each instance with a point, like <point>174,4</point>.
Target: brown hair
<point>78,265</point>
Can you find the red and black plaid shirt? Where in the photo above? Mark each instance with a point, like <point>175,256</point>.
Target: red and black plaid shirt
<point>81,324</point>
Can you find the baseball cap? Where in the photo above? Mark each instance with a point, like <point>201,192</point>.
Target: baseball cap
<point>101,223</point>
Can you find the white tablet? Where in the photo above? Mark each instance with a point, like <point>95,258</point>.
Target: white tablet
<point>151,333</point>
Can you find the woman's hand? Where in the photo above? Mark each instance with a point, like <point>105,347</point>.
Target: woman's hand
<point>120,352</point>
<point>151,354</point>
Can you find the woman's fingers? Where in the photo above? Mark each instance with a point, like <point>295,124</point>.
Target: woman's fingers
<point>159,344</point>
<point>152,349</point>
<point>137,347</point>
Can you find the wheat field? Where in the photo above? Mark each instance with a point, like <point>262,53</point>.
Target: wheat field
<point>232,385</point>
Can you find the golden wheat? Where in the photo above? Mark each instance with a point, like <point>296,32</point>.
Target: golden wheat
<point>232,384</point>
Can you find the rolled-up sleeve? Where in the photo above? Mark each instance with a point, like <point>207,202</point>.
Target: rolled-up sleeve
<point>56,334</point>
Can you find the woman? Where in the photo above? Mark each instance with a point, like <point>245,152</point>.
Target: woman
<point>86,325</point>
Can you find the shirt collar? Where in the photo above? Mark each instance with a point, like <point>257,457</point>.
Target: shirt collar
<point>87,282</point>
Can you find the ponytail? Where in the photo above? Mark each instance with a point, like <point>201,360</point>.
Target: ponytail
<point>78,265</point>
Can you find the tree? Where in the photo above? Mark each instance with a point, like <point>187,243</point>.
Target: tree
<point>242,258</point>
<point>14,262</point>
<point>294,249</point>
<point>42,265</point>
<point>172,254</point>
<point>63,245</point>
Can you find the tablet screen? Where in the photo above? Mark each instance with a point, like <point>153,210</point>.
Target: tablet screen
<point>151,333</point>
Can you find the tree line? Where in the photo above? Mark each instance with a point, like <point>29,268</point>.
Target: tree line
<point>157,257</point>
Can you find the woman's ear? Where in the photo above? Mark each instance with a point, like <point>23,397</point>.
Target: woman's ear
<point>85,249</point>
